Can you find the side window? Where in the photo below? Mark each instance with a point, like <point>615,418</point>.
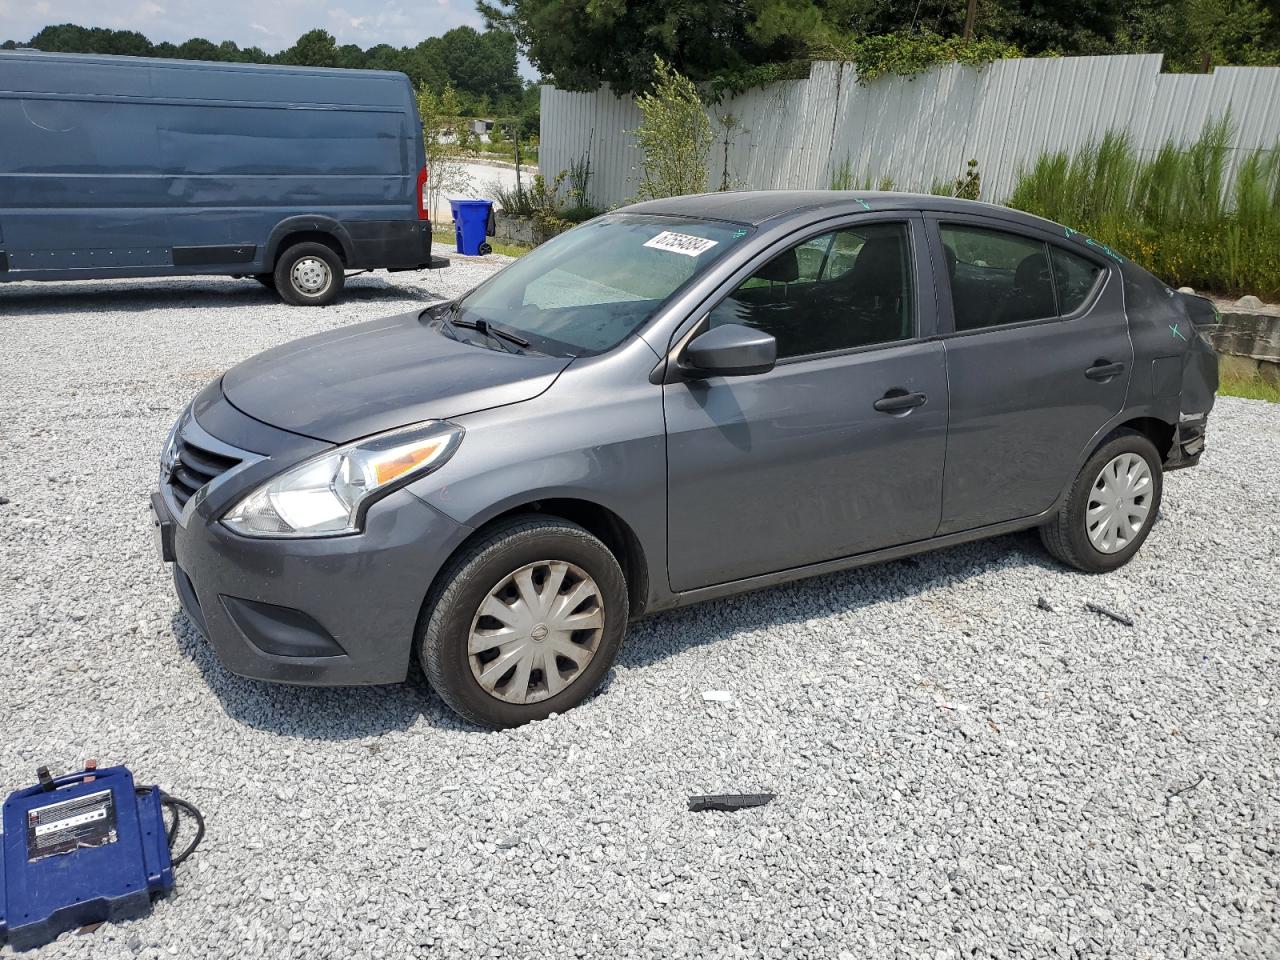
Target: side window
<point>844,289</point>
<point>996,277</point>
<point>1075,277</point>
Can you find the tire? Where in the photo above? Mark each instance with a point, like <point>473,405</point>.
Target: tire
<point>266,279</point>
<point>1067,536</point>
<point>309,275</point>
<point>536,544</point>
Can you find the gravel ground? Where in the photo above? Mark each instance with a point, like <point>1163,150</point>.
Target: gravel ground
<point>958,772</point>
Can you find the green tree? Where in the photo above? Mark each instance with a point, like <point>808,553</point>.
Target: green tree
<point>350,56</point>
<point>481,67</point>
<point>315,48</point>
<point>483,64</point>
<point>674,137</point>
<point>1195,34</point>
<point>384,57</point>
<point>197,48</point>
<point>446,140</point>
<point>578,44</point>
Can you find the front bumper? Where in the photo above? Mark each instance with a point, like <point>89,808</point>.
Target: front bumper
<point>319,611</point>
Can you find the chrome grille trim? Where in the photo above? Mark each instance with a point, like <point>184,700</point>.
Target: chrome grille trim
<point>201,463</point>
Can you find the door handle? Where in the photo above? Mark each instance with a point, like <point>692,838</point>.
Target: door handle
<point>899,401</point>
<point>1102,370</point>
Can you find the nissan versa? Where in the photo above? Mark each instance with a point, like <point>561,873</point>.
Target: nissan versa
<point>680,400</point>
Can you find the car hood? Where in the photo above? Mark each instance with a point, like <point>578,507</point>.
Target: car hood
<point>363,379</point>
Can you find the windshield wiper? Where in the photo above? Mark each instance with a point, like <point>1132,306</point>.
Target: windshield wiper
<point>486,329</point>
<point>489,330</point>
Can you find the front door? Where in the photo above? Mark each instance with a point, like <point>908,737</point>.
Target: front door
<point>1038,360</point>
<point>836,451</point>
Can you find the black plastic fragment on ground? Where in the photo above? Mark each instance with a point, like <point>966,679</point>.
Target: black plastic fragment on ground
<point>1117,617</point>
<point>729,801</point>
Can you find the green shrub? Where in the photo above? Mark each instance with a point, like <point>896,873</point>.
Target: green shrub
<point>842,175</point>
<point>1174,212</point>
<point>674,137</point>
<point>907,53</point>
<point>543,202</point>
<point>967,186</point>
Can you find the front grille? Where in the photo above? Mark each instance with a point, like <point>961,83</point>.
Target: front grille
<point>193,467</point>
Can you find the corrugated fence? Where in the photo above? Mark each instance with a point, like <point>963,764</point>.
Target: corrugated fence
<point>917,130</point>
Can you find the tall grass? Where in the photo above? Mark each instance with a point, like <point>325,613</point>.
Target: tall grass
<point>844,178</point>
<point>1176,212</point>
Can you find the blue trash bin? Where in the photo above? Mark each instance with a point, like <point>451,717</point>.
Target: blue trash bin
<point>471,225</point>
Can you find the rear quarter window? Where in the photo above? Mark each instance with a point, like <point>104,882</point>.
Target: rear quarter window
<point>1075,276</point>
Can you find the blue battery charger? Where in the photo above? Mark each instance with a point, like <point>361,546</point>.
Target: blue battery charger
<point>84,848</point>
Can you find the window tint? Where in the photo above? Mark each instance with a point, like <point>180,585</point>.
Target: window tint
<point>848,288</point>
<point>996,277</point>
<point>1075,277</point>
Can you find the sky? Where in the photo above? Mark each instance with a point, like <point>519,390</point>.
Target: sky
<point>269,24</point>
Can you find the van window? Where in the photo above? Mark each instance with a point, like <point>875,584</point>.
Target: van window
<point>844,289</point>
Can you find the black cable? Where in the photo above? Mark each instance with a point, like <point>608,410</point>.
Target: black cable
<point>174,805</point>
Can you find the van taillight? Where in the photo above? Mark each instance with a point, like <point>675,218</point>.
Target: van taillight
<point>424,204</point>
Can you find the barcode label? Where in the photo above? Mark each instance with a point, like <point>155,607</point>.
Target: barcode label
<point>681,243</point>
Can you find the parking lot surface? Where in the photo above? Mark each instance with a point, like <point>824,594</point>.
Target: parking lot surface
<point>959,771</point>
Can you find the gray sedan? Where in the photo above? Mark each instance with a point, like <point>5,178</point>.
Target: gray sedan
<point>680,400</point>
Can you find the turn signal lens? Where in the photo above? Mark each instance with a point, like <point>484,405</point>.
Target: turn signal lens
<point>324,496</point>
<point>399,464</point>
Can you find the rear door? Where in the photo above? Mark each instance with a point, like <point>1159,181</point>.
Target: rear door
<point>808,462</point>
<point>1038,360</point>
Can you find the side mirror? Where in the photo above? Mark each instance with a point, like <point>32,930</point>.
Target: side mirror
<point>730,351</point>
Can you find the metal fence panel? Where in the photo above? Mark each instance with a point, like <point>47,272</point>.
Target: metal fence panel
<point>919,130</point>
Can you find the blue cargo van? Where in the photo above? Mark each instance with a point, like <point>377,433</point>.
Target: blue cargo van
<point>136,167</point>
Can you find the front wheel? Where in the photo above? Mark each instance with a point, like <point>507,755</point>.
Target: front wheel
<point>309,275</point>
<point>524,623</point>
<point>1111,507</point>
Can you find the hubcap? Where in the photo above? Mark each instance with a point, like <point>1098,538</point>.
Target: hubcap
<point>1119,503</point>
<point>311,275</point>
<point>536,632</point>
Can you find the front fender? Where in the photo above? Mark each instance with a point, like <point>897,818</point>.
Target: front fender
<point>597,436</point>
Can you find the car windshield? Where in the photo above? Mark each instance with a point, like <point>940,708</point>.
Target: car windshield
<point>587,290</point>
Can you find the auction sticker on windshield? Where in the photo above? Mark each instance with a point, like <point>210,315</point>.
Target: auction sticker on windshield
<point>681,243</point>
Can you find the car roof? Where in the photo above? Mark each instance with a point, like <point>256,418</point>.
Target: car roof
<point>755,207</point>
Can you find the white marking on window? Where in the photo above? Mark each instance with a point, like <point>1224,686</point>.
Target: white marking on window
<point>681,243</point>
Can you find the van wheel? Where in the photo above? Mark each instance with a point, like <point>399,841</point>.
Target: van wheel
<point>266,279</point>
<point>1111,507</point>
<point>309,275</point>
<point>524,623</point>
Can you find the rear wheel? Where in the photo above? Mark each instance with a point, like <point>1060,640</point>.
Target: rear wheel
<point>1111,507</point>
<point>524,623</point>
<point>309,275</point>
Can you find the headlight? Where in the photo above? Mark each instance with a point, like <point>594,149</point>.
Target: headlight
<point>324,496</point>
<point>170,452</point>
